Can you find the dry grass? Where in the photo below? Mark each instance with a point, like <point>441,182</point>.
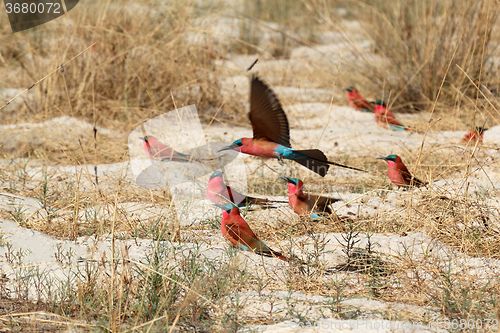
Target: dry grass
<point>426,56</point>
<point>138,59</point>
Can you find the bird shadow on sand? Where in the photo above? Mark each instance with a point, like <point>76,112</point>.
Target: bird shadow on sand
<point>365,262</point>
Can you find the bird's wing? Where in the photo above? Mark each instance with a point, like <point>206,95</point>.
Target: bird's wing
<point>322,203</point>
<point>391,119</point>
<point>361,102</point>
<point>240,232</point>
<point>408,178</point>
<point>236,197</point>
<point>231,233</point>
<point>268,119</point>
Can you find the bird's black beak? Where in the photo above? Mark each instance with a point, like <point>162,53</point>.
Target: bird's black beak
<point>230,147</point>
<point>143,138</point>
<point>288,180</point>
<point>382,158</point>
<point>344,88</point>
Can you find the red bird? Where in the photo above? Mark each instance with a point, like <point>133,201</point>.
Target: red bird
<point>398,173</point>
<point>235,229</point>
<point>475,135</point>
<point>161,152</point>
<point>219,193</point>
<point>306,203</point>
<point>357,101</point>
<point>386,118</point>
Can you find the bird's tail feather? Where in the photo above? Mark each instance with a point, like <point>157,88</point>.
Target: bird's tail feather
<point>315,162</point>
<point>318,162</point>
<point>398,128</point>
<point>272,254</point>
<point>403,128</point>
<point>413,130</point>
<point>262,201</point>
<point>276,254</point>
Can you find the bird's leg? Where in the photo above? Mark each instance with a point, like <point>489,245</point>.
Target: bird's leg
<point>280,159</point>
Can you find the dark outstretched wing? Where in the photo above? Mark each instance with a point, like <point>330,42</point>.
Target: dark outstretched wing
<point>266,115</point>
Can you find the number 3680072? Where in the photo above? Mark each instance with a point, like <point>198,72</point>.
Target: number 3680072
<point>33,8</point>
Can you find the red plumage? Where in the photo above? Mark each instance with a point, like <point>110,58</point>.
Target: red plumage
<point>158,151</point>
<point>219,193</point>
<point>399,174</point>
<point>474,135</point>
<point>237,231</point>
<point>357,101</point>
<point>386,118</point>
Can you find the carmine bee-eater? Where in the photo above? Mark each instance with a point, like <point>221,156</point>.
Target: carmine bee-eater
<point>475,135</point>
<point>306,203</point>
<point>159,151</point>
<point>271,133</point>
<point>357,101</point>
<point>219,193</point>
<point>386,118</point>
<point>398,172</point>
<point>235,229</point>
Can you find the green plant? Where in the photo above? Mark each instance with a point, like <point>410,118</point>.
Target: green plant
<point>17,215</point>
<point>349,241</point>
<point>338,285</point>
<point>48,198</point>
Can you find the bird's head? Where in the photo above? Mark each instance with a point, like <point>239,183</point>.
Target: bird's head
<point>146,144</point>
<point>236,145</point>
<point>227,208</point>
<point>480,130</point>
<point>350,89</point>
<point>216,174</point>
<point>390,159</point>
<point>149,139</point>
<point>216,184</point>
<point>293,183</point>
<point>379,106</point>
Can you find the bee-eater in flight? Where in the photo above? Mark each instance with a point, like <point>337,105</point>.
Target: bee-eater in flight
<point>271,133</point>
<point>159,151</point>
<point>398,172</point>
<point>219,193</point>
<point>305,203</point>
<point>357,101</point>
<point>475,135</point>
<point>235,229</point>
<point>386,118</point>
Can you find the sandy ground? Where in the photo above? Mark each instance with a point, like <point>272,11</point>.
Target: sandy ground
<point>355,134</point>
<point>341,132</point>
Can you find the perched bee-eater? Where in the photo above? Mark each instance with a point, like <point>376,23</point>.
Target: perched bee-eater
<point>398,172</point>
<point>306,203</point>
